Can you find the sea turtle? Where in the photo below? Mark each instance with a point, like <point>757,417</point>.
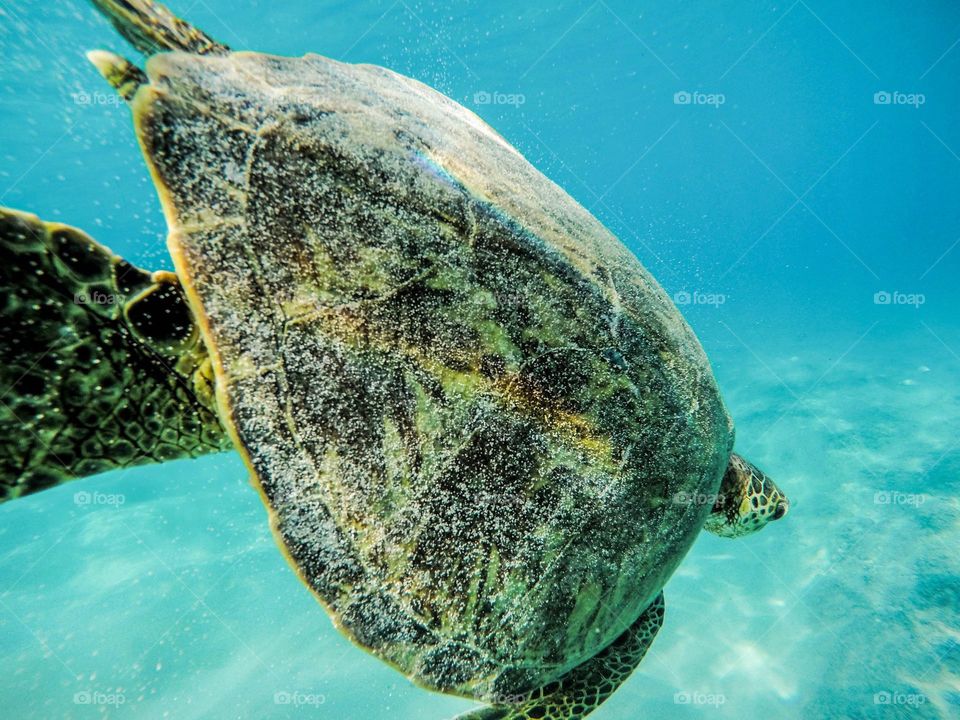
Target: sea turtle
<point>484,434</point>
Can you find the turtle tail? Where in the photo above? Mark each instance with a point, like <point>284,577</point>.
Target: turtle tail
<point>101,364</point>
<point>151,28</point>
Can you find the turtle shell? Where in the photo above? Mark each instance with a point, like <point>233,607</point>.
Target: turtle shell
<point>467,405</point>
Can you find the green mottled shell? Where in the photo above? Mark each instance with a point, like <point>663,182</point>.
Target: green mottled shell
<point>466,403</point>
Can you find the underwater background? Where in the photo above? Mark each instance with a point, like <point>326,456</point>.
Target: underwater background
<point>789,172</point>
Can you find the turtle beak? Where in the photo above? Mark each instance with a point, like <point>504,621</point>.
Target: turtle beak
<point>123,75</point>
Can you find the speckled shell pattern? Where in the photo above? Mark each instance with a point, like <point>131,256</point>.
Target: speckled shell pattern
<point>467,405</point>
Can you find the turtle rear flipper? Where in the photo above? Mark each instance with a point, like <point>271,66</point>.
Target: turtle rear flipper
<point>587,686</point>
<point>101,365</point>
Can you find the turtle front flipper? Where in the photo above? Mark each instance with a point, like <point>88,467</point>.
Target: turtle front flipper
<point>101,365</point>
<point>151,28</point>
<point>583,689</point>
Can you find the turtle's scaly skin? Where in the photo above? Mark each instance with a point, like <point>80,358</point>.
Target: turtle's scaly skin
<point>467,405</point>
<point>101,366</point>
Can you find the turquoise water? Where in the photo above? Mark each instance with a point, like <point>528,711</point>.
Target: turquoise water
<point>807,227</point>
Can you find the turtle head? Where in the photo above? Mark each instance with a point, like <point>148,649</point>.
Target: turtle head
<point>747,501</point>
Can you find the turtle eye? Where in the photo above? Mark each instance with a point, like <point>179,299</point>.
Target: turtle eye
<point>780,511</point>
